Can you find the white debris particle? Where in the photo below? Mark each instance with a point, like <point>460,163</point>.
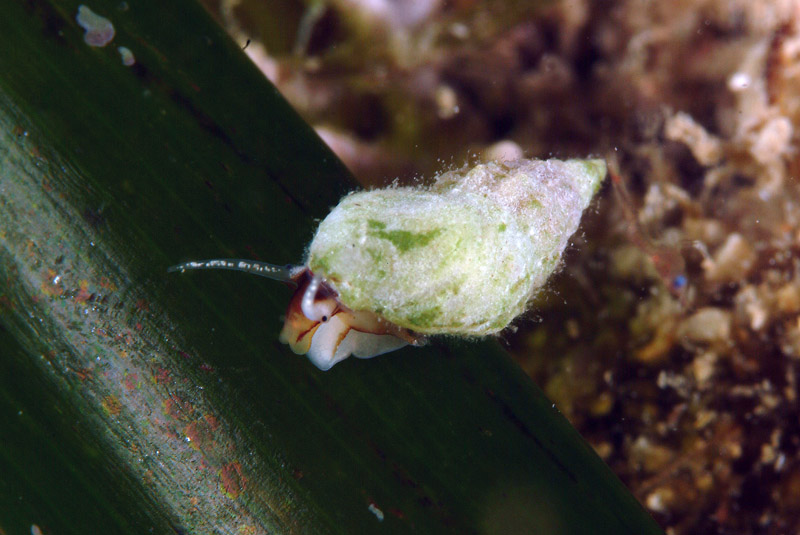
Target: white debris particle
<point>35,530</point>
<point>99,30</point>
<point>375,511</point>
<point>732,261</point>
<point>705,147</point>
<point>127,56</point>
<point>503,151</point>
<point>446,102</point>
<point>708,325</point>
<point>739,81</point>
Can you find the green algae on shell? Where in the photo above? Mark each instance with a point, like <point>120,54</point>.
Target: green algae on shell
<point>461,257</point>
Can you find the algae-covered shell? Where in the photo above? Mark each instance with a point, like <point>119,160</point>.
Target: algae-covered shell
<point>461,257</point>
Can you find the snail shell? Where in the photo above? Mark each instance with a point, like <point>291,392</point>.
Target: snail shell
<point>462,257</point>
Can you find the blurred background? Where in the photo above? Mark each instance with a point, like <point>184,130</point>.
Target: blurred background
<point>671,337</point>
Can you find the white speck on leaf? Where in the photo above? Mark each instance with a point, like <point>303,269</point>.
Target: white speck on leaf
<point>99,30</point>
<point>127,56</point>
<point>377,512</point>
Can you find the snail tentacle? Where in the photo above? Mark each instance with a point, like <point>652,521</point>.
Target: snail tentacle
<point>254,267</point>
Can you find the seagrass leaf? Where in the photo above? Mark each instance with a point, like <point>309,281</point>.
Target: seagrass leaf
<point>134,401</point>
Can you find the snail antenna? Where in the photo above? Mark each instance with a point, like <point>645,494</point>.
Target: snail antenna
<point>263,269</point>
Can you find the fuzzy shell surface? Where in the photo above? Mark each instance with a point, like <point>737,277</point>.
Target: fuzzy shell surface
<point>461,257</point>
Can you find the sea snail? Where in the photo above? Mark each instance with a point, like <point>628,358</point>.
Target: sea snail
<point>463,256</point>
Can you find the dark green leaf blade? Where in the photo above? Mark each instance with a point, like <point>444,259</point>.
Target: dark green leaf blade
<point>109,174</point>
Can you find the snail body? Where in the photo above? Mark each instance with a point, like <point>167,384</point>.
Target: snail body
<point>463,257</point>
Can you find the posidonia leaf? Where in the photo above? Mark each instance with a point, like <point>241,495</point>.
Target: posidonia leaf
<point>135,400</point>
